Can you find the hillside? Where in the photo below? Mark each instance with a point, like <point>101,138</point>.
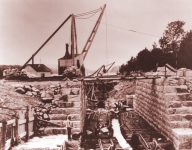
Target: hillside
<point>114,69</point>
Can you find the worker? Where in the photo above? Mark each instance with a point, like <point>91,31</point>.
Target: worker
<point>69,127</point>
<point>82,70</point>
<point>135,141</point>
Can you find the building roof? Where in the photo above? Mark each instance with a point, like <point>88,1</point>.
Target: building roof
<point>70,57</point>
<point>39,67</point>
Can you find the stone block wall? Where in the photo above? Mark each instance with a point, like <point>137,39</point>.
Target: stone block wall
<point>166,104</point>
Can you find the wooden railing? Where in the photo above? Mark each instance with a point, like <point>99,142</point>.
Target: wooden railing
<point>21,127</point>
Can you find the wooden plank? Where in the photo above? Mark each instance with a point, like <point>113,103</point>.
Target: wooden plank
<point>21,128</point>
<point>8,144</point>
<point>22,121</point>
<point>31,126</point>
<point>31,119</point>
<point>31,133</point>
<point>12,121</point>
<point>22,134</point>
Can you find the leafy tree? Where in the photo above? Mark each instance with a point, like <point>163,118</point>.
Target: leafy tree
<point>156,56</point>
<point>143,60</point>
<point>172,36</point>
<point>185,52</point>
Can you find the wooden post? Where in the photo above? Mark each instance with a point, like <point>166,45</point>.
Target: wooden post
<point>35,125</point>
<point>16,133</point>
<point>27,124</point>
<point>4,131</point>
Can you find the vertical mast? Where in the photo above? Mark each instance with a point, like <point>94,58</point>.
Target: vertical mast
<point>74,49</point>
<point>92,35</point>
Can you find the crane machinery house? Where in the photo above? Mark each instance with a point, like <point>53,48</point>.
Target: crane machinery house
<point>68,61</point>
<point>40,70</point>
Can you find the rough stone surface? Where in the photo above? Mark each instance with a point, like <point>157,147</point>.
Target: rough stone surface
<point>166,104</point>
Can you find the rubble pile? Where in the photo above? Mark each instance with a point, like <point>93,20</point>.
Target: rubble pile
<point>43,91</point>
<point>9,99</point>
<point>124,91</point>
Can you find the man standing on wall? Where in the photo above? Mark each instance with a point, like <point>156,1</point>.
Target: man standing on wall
<point>69,127</point>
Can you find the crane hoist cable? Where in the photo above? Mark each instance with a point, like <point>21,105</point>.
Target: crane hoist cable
<point>90,12</point>
<point>106,35</point>
<point>89,16</point>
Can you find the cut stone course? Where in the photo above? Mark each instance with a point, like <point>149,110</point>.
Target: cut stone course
<point>166,104</point>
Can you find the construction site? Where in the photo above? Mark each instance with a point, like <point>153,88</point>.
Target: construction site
<point>76,111</point>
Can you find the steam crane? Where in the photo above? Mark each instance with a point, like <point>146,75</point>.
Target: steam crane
<point>73,59</point>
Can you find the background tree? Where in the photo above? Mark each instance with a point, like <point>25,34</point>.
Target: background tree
<point>185,52</point>
<point>172,36</point>
<point>170,42</point>
<point>174,41</point>
<point>143,60</point>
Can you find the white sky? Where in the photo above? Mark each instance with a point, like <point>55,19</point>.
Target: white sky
<point>26,24</point>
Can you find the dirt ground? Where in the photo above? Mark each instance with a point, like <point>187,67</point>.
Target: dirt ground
<point>9,98</point>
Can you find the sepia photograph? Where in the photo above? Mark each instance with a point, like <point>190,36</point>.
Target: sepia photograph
<point>95,75</point>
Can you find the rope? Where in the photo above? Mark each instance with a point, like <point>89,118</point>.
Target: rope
<point>126,29</point>
<point>87,13</point>
<point>106,35</point>
<point>89,16</point>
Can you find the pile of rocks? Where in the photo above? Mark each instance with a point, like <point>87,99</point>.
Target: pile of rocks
<point>38,91</point>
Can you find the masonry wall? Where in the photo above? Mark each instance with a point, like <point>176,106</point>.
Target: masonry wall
<point>166,104</point>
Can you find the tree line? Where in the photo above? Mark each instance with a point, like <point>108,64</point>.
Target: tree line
<point>175,49</point>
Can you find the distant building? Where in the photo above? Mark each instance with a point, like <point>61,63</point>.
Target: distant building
<point>40,70</point>
<point>67,61</point>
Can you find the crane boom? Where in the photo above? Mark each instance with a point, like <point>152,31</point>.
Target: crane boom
<point>92,35</point>
<point>46,41</point>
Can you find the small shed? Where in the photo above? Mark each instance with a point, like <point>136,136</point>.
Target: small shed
<point>39,70</point>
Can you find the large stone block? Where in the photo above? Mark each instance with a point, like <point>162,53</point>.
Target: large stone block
<point>182,81</point>
<point>183,137</point>
<point>58,116</point>
<point>179,117</point>
<point>76,104</point>
<point>174,104</point>
<point>170,82</point>
<point>75,117</point>
<point>184,110</point>
<point>53,130</point>
<point>58,122</point>
<point>175,96</point>
<point>59,111</point>
<point>179,124</point>
<point>188,73</point>
<point>76,124</point>
<point>66,104</point>
<point>73,111</point>
<point>189,96</point>
<point>74,98</point>
<point>176,89</point>
<point>187,103</point>
<point>71,84</point>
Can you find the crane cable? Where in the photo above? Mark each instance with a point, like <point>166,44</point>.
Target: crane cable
<point>87,17</point>
<point>106,35</point>
<point>126,29</point>
<point>88,13</point>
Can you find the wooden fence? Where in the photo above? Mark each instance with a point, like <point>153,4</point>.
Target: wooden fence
<point>21,127</point>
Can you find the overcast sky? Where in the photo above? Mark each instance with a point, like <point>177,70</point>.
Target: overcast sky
<point>26,24</point>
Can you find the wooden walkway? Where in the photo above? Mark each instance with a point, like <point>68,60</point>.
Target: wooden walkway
<point>51,142</point>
